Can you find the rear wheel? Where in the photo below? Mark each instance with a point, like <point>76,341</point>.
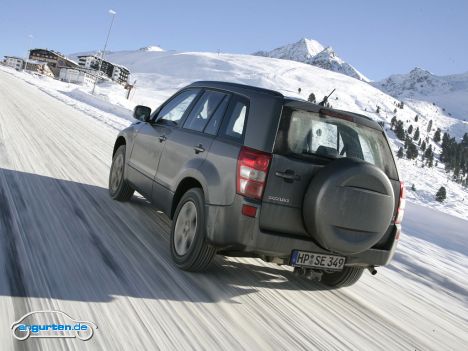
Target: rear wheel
<point>119,189</point>
<point>347,277</point>
<point>189,248</point>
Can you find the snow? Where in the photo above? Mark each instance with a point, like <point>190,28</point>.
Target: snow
<point>159,74</point>
<point>152,48</point>
<point>328,59</point>
<point>102,260</point>
<point>447,92</point>
<point>301,51</point>
<point>313,53</point>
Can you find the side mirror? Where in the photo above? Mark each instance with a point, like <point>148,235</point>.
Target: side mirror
<point>142,113</point>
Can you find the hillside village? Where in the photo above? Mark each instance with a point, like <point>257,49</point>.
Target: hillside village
<point>54,64</point>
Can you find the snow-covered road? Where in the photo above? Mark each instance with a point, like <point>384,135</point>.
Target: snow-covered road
<point>65,245</point>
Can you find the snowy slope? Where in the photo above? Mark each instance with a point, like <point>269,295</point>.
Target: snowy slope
<point>447,92</point>
<point>68,246</point>
<point>159,74</point>
<point>313,53</point>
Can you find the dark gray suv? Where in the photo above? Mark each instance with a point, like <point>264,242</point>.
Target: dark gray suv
<point>245,171</point>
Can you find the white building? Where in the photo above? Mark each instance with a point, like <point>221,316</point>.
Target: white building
<point>89,62</point>
<point>120,74</point>
<point>15,62</point>
<point>77,76</point>
<point>113,71</point>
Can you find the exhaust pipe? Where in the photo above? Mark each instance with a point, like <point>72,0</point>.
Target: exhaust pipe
<point>307,273</point>
<point>313,275</point>
<point>372,270</point>
<point>298,271</point>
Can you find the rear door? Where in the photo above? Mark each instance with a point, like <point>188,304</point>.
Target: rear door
<point>150,141</point>
<point>305,143</point>
<point>188,144</point>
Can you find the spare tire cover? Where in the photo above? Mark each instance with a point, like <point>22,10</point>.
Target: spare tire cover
<point>348,206</point>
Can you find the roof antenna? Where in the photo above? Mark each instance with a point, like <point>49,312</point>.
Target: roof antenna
<point>325,99</point>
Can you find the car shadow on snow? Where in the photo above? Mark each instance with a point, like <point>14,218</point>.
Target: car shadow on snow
<point>66,240</point>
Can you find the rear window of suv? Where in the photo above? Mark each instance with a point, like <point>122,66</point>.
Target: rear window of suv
<point>307,134</point>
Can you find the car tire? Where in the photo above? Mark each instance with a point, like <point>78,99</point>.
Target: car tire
<point>119,189</point>
<point>189,249</point>
<point>347,277</point>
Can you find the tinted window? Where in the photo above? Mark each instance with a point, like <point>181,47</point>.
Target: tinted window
<point>203,110</point>
<point>307,133</point>
<point>236,120</point>
<point>174,110</point>
<point>215,121</point>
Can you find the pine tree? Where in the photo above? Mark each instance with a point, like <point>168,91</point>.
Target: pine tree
<point>456,172</point>
<point>412,151</point>
<point>413,187</point>
<point>448,146</point>
<point>423,146</point>
<point>437,135</point>
<point>377,110</point>
<point>399,130</point>
<point>429,156</point>
<point>445,138</point>
<point>407,141</point>
<point>410,129</point>
<point>393,122</point>
<point>429,126</point>
<point>416,118</point>
<point>441,194</point>
<point>416,134</point>
<point>400,152</point>
<point>465,140</point>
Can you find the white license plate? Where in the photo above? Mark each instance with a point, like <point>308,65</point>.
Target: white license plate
<point>317,260</point>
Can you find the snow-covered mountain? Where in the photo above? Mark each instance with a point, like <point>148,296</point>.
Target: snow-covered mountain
<point>314,53</point>
<point>152,48</point>
<point>302,51</point>
<point>327,59</point>
<point>159,74</point>
<point>450,92</point>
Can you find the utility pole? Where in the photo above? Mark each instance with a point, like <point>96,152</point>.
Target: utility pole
<point>113,13</point>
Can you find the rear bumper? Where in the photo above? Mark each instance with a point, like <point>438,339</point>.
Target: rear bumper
<point>232,232</point>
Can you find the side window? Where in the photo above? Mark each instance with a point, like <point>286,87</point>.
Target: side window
<point>236,120</point>
<point>215,121</point>
<point>174,110</point>
<point>203,110</point>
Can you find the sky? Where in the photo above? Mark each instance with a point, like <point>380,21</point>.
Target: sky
<point>379,38</point>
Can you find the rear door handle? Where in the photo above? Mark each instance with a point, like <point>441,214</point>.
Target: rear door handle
<point>162,138</point>
<point>199,148</point>
<point>288,175</point>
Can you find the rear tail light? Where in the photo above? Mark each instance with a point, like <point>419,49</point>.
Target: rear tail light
<point>252,171</point>
<point>401,204</point>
